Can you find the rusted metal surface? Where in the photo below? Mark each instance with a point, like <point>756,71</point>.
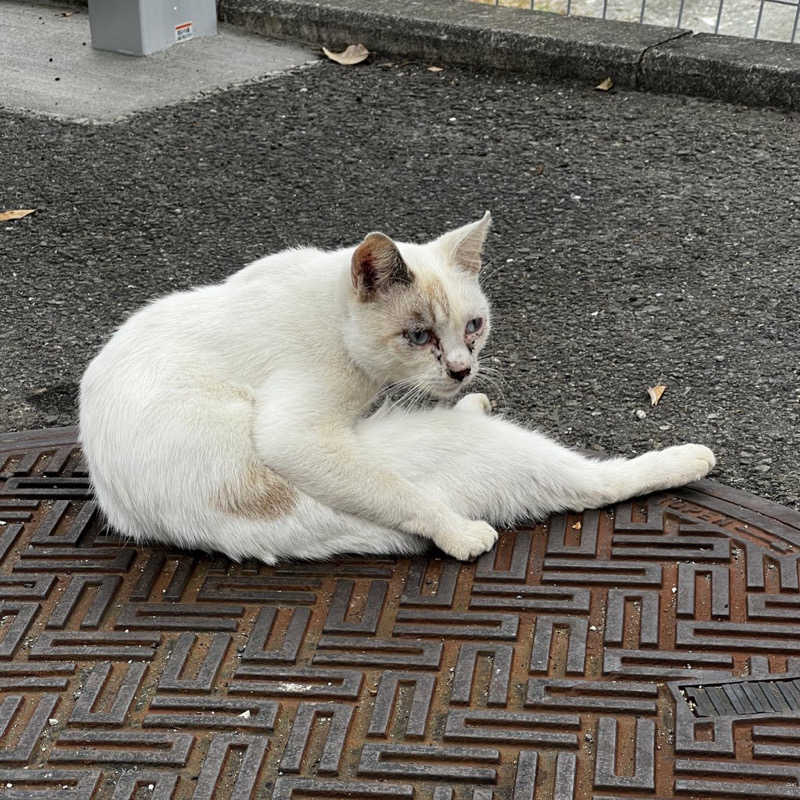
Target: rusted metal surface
<point>646,651</point>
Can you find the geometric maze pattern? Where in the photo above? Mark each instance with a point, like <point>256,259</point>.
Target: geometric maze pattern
<point>646,651</point>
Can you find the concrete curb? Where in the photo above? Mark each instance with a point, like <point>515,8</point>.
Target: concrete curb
<point>758,73</point>
<point>546,45</point>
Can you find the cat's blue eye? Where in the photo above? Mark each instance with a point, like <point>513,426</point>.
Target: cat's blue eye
<point>474,325</point>
<point>419,338</point>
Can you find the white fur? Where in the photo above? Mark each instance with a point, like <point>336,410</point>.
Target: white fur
<point>278,366</point>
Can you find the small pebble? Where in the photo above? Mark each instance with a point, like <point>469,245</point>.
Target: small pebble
<point>640,414</point>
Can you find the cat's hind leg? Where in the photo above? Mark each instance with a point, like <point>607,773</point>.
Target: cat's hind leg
<point>487,468</point>
<point>483,467</point>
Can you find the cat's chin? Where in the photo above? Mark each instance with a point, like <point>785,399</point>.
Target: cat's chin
<point>447,393</point>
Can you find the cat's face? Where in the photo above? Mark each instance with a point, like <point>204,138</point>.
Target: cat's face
<point>420,317</point>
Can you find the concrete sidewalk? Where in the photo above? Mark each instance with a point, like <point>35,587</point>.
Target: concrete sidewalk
<point>49,66</point>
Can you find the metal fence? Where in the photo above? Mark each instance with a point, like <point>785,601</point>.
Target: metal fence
<point>760,19</point>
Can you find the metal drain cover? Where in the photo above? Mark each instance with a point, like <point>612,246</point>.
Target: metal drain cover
<point>649,651</point>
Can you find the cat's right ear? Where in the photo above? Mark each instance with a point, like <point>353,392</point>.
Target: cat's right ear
<point>376,266</point>
<point>464,246</point>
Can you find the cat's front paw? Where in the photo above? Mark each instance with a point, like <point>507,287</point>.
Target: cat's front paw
<point>685,463</point>
<point>475,402</point>
<point>468,541</point>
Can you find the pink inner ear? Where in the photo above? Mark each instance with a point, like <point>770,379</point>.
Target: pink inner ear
<point>468,253</point>
<point>465,245</point>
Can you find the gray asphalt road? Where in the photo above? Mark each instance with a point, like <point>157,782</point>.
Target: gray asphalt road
<point>639,239</point>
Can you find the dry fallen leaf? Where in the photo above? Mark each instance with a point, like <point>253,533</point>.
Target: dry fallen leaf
<point>577,526</point>
<point>435,69</point>
<point>605,85</point>
<point>354,54</point>
<point>17,214</point>
<point>655,393</point>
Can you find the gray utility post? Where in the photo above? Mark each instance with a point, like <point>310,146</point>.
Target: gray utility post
<point>140,27</point>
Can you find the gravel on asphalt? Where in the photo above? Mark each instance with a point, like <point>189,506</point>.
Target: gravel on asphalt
<point>639,239</point>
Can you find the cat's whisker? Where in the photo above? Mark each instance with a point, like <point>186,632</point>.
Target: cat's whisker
<point>487,280</point>
<point>400,402</point>
<point>384,394</point>
<point>494,381</point>
<point>493,387</point>
<point>416,388</point>
<point>490,370</point>
<point>490,269</point>
<point>403,383</point>
<point>495,372</point>
<point>489,359</point>
<point>420,394</point>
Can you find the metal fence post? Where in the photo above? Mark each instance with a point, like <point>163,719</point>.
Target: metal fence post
<point>140,27</point>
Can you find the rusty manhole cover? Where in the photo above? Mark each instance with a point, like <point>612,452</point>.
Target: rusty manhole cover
<point>652,651</point>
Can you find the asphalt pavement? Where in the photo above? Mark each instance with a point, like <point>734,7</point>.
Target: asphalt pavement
<point>639,239</point>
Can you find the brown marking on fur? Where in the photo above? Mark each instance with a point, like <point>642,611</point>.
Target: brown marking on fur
<point>432,292</point>
<point>240,392</point>
<point>428,302</point>
<point>256,494</point>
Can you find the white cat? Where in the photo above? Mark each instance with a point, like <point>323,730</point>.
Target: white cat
<point>235,417</point>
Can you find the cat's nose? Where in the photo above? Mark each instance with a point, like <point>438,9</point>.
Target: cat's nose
<point>458,374</point>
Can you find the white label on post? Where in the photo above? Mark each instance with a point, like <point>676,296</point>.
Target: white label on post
<point>183,32</point>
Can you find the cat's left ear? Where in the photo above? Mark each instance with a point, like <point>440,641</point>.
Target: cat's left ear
<point>464,246</point>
